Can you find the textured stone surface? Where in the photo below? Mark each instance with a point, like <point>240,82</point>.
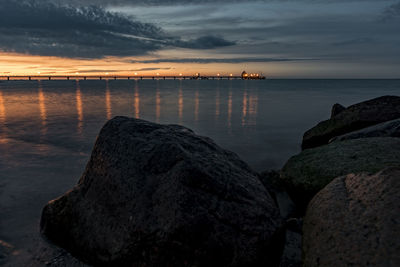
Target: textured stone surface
<point>353,118</point>
<point>291,256</point>
<point>5,250</point>
<point>276,188</point>
<point>385,129</point>
<point>308,172</point>
<point>355,221</point>
<point>50,255</point>
<point>159,195</point>
<point>336,109</point>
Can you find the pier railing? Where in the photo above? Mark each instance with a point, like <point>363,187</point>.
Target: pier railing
<point>116,77</point>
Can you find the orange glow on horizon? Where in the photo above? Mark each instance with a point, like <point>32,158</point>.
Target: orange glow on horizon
<point>14,64</point>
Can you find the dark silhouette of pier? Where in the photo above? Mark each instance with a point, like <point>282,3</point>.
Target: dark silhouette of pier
<point>118,77</point>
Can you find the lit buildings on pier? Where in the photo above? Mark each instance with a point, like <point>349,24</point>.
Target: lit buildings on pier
<point>252,76</point>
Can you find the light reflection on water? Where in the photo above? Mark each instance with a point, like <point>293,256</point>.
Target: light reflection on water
<point>108,102</point>
<point>230,109</point>
<point>137,101</point>
<point>180,103</point>
<point>42,105</point>
<point>158,103</point>
<point>79,108</point>
<point>3,136</point>
<point>227,111</point>
<point>47,129</point>
<point>2,110</point>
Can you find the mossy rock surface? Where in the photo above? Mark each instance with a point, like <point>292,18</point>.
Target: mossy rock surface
<point>310,171</point>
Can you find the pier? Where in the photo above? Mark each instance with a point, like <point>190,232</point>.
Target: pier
<point>118,77</point>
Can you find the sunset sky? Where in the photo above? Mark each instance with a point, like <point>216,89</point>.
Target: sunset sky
<point>281,39</point>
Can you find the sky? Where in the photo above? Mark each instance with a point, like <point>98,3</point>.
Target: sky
<point>278,38</point>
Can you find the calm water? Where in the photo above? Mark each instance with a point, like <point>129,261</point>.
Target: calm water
<point>47,128</point>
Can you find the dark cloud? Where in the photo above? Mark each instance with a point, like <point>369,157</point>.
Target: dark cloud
<point>220,60</point>
<point>355,41</point>
<point>44,28</point>
<point>392,12</point>
<point>190,2</point>
<point>204,42</point>
<point>152,2</point>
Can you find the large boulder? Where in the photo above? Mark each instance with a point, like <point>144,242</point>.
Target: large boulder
<point>355,221</point>
<point>159,195</point>
<point>353,118</point>
<point>384,129</point>
<point>308,172</point>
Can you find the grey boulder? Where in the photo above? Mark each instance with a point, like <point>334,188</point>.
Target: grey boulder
<point>308,172</point>
<point>353,118</point>
<point>385,129</point>
<point>160,195</point>
<point>355,221</point>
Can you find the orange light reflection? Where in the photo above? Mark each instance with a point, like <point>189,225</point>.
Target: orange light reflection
<point>180,103</point>
<point>108,102</point>
<point>3,136</point>
<point>137,101</point>
<point>158,103</point>
<point>79,108</point>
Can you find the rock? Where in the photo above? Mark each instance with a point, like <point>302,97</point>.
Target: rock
<point>336,109</point>
<point>355,221</point>
<point>276,188</point>
<point>385,129</point>
<point>353,118</point>
<point>159,195</point>
<point>291,256</point>
<point>5,250</point>
<point>46,254</point>
<point>308,172</point>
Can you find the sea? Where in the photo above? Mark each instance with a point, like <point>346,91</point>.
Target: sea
<point>48,128</point>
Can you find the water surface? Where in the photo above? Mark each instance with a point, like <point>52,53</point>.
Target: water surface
<point>47,128</point>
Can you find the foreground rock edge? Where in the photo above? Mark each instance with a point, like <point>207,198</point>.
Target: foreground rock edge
<point>355,221</point>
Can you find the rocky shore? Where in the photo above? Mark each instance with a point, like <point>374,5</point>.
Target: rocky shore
<point>160,195</point>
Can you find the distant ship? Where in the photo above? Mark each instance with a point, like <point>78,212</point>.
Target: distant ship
<point>252,76</point>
